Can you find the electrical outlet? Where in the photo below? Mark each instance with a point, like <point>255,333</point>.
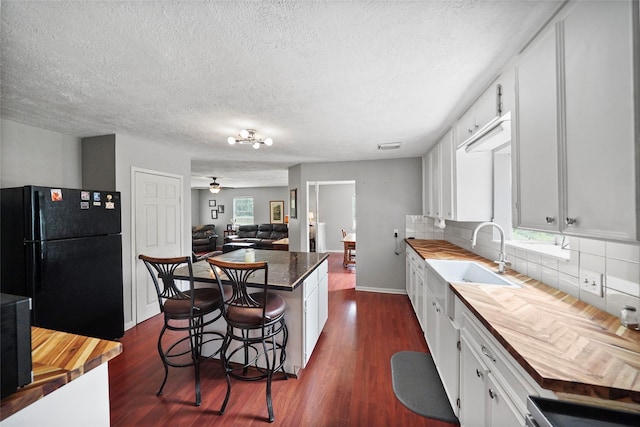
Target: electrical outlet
<point>591,281</point>
<point>395,232</point>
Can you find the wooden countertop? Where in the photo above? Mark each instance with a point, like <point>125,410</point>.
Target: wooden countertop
<point>57,359</point>
<point>287,270</point>
<point>566,345</point>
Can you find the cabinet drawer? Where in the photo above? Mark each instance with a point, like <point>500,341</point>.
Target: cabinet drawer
<point>516,382</point>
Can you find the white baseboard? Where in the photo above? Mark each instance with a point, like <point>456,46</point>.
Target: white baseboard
<point>382,290</point>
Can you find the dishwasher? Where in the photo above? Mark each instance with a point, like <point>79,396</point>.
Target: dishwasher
<point>560,413</point>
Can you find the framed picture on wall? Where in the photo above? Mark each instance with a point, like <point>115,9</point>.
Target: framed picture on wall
<point>214,214</point>
<point>276,212</point>
<point>220,208</point>
<point>212,203</point>
<point>293,199</point>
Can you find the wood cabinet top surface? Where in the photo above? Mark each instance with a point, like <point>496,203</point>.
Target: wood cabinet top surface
<point>57,359</point>
<point>566,345</point>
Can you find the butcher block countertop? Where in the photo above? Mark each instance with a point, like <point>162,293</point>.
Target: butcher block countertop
<point>567,346</point>
<point>57,359</point>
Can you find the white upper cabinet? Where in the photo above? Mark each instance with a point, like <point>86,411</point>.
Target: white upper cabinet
<point>479,114</point>
<point>576,148</point>
<point>435,206</point>
<point>460,183</point>
<point>600,109</point>
<point>536,148</point>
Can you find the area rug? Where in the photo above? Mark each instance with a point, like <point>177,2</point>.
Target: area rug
<point>417,386</point>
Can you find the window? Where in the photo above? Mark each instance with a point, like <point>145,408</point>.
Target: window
<point>243,210</point>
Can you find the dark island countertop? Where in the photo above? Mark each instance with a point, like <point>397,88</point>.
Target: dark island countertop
<point>57,359</point>
<point>287,270</point>
<point>566,345</point>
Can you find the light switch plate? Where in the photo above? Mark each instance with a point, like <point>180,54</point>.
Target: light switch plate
<point>591,281</point>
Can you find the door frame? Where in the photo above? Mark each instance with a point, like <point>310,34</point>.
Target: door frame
<point>134,260</point>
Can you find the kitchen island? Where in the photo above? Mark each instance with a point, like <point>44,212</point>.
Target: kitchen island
<point>557,345</point>
<point>301,278</point>
<point>71,382</point>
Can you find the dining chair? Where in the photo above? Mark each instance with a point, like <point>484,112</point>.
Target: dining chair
<point>255,318</point>
<point>349,251</point>
<point>184,311</point>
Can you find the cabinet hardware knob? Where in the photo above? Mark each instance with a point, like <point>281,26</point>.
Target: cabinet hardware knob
<point>470,131</point>
<point>486,353</point>
<point>570,221</point>
<point>492,393</point>
<point>478,373</point>
<point>476,126</point>
<point>550,220</point>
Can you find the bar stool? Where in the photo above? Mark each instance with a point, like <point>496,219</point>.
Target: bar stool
<point>184,311</point>
<point>254,320</point>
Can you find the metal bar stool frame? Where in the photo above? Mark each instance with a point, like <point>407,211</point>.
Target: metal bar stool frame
<point>201,302</point>
<point>250,323</point>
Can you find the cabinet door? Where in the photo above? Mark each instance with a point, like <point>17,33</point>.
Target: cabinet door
<point>446,176</point>
<point>600,112</point>
<point>472,385</point>
<point>434,175</point>
<point>486,108</point>
<point>312,327</point>
<point>536,158</point>
<point>465,126</point>
<point>448,356</point>
<point>323,301</point>
<point>432,329</point>
<point>502,411</point>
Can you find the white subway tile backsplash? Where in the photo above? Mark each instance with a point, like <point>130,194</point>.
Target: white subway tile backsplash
<point>593,299</point>
<point>520,265</point>
<point>623,276</point>
<point>592,262</point>
<point>616,300</point>
<point>548,262</point>
<point>572,265</point>
<point>593,247</point>
<point>534,271</point>
<point>622,251</point>
<point>619,262</point>
<point>569,284</point>
<point>550,277</point>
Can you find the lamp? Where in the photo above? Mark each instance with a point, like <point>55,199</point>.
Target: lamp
<point>248,136</point>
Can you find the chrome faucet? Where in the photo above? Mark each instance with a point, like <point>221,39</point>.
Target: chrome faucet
<point>502,256</point>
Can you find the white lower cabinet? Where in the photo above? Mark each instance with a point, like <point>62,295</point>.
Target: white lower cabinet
<point>473,385</point>
<point>316,308</point>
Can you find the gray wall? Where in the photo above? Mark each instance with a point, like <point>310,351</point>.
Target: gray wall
<point>36,156</point>
<point>334,210</point>
<point>385,191</point>
<point>33,156</point>
<point>261,198</point>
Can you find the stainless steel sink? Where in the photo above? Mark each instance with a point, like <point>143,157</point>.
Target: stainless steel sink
<point>454,271</point>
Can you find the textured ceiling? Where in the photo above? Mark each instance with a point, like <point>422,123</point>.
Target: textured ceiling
<point>327,80</point>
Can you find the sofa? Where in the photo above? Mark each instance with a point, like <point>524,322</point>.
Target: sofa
<point>203,238</point>
<point>262,235</point>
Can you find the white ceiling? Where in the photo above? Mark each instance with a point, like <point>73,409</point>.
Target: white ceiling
<point>327,80</point>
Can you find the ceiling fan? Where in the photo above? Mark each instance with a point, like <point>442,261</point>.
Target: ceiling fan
<point>214,187</point>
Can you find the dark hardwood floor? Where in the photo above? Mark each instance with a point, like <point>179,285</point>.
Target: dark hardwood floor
<point>346,383</point>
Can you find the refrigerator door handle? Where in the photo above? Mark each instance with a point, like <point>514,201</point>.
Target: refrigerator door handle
<point>39,260</point>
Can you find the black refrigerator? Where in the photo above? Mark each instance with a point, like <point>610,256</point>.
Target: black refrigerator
<point>63,248</point>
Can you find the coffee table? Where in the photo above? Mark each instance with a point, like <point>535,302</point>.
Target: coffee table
<point>233,246</point>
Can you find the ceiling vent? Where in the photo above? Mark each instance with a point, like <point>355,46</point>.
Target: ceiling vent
<point>389,146</point>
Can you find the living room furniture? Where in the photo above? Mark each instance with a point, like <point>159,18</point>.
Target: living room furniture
<point>232,246</point>
<point>255,320</point>
<point>281,245</point>
<point>184,312</point>
<point>203,238</point>
<point>263,235</point>
<point>349,242</point>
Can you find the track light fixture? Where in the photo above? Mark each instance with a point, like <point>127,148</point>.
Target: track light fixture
<point>248,136</point>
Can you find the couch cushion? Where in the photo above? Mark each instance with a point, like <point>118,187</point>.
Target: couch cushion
<point>263,234</point>
<point>245,231</point>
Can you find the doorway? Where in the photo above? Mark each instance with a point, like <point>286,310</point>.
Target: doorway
<point>156,229</point>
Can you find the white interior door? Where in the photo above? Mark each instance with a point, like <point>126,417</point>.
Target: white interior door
<point>158,231</point>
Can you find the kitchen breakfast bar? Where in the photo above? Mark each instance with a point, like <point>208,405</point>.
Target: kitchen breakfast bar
<point>301,279</point>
